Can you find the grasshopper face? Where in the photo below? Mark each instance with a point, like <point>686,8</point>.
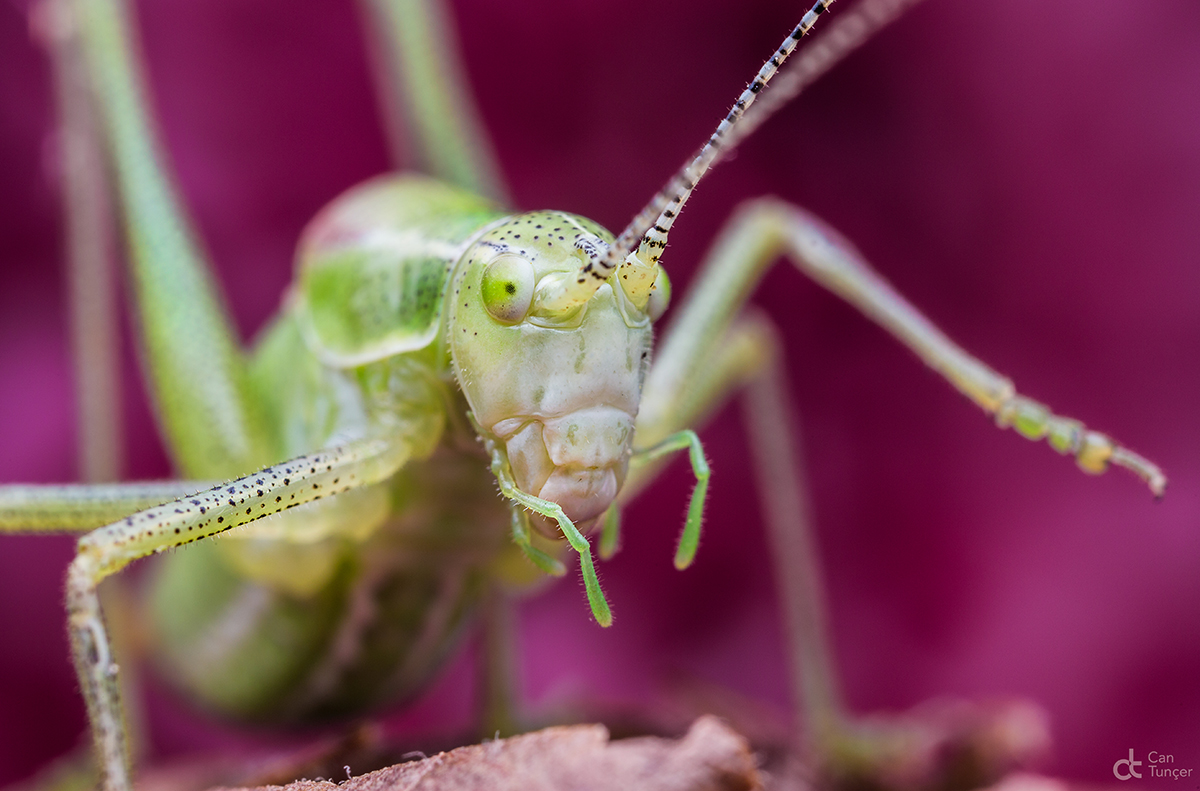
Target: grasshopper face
<point>557,390</point>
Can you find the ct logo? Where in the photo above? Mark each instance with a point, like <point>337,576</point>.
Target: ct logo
<point>1131,764</point>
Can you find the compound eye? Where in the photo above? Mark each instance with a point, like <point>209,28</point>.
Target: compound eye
<point>660,296</point>
<point>507,288</point>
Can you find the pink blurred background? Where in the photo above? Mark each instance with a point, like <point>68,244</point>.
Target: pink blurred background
<point>1026,172</point>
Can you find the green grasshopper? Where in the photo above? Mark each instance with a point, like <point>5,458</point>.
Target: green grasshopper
<point>379,384</point>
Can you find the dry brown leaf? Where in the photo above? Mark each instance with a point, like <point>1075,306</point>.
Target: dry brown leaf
<point>711,757</point>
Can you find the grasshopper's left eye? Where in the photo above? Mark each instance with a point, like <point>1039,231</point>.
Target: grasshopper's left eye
<point>507,288</point>
<point>660,297</point>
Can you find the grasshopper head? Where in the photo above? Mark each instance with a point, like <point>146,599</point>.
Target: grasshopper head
<point>557,389</point>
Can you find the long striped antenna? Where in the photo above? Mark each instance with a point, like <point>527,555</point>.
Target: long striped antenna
<point>847,33</point>
<point>648,230</point>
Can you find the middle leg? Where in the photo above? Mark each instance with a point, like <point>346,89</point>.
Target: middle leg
<point>764,229</point>
<point>709,353</point>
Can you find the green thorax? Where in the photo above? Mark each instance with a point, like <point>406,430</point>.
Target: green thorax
<point>373,267</point>
<point>350,602</point>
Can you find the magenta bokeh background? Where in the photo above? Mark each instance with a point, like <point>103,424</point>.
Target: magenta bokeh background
<point>1027,172</point>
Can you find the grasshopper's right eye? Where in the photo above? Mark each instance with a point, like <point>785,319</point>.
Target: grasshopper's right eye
<point>660,297</point>
<point>507,288</point>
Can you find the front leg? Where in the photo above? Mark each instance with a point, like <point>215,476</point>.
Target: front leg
<point>764,229</point>
<point>107,550</point>
<point>80,507</point>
